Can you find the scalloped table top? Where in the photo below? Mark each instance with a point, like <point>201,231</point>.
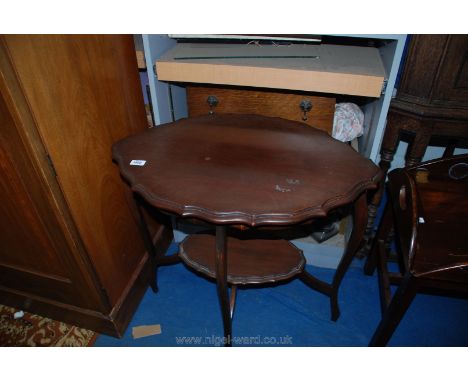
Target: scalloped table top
<point>243,169</point>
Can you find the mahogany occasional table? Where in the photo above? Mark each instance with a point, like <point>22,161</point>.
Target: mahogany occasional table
<point>237,171</point>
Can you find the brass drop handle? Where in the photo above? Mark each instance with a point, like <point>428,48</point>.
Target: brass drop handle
<point>212,102</point>
<point>306,106</point>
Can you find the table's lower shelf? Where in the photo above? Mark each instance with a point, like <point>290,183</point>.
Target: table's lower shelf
<point>248,261</point>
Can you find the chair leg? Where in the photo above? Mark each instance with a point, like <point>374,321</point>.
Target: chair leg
<point>395,312</point>
<point>359,226</point>
<point>221,282</point>
<point>389,147</point>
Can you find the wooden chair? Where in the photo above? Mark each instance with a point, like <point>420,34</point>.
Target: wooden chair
<point>428,209</point>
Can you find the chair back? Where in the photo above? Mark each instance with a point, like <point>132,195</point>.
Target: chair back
<point>403,197</point>
<point>430,204</point>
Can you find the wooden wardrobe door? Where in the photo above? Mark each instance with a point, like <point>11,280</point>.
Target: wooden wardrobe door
<point>35,258</point>
<point>85,92</point>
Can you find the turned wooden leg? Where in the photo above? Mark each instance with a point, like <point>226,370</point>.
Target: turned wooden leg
<point>386,158</point>
<point>221,282</point>
<point>387,152</point>
<point>359,226</point>
<point>399,304</point>
<point>418,147</point>
<point>148,241</point>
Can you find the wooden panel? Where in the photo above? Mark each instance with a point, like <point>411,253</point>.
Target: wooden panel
<point>452,84</point>
<point>317,68</point>
<point>20,215</point>
<point>269,103</point>
<point>111,323</point>
<point>34,255</point>
<point>85,94</point>
<point>436,75</point>
<point>422,63</point>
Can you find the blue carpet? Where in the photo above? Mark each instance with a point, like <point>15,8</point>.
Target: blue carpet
<point>289,314</point>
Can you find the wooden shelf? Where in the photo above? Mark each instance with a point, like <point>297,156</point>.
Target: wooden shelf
<point>248,261</point>
<point>321,68</point>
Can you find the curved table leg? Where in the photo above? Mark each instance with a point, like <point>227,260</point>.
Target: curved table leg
<point>331,290</point>
<point>156,257</point>
<point>221,282</point>
<point>359,226</point>
<point>148,244</point>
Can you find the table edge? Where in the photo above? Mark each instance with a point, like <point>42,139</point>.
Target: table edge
<point>250,219</point>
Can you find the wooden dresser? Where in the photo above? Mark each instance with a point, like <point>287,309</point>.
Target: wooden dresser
<point>69,242</point>
<point>309,108</point>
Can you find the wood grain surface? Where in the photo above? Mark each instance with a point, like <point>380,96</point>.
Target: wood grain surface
<point>90,71</point>
<point>246,169</point>
<point>248,261</point>
<point>269,103</point>
<point>34,252</point>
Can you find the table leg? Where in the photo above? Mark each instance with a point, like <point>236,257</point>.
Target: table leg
<point>331,290</point>
<point>148,241</point>
<point>221,282</point>
<point>359,226</point>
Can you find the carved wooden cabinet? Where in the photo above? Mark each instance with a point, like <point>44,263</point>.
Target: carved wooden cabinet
<point>69,242</point>
<point>435,76</point>
<point>432,102</point>
<point>432,98</point>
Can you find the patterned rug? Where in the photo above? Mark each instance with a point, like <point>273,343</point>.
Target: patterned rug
<point>34,330</point>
